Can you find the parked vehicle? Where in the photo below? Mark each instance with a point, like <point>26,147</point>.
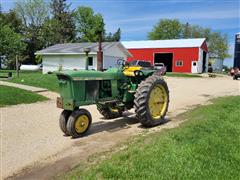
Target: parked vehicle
<point>232,72</point>
<point>161,67</point>
<point>146,64</point>
<point>236,74</point>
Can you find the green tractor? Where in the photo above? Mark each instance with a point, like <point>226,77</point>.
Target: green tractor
<point>113,91</point>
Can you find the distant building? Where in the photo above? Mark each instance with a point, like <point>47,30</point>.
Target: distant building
<point>71,56</point>
<point>179,55</point>
<point>217,65</point>
<point>237,51</point>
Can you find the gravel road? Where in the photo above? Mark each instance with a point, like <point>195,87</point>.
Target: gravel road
<point>33,147</point>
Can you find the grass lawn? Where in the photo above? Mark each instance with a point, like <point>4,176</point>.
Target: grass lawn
<point>37,79</point>
<point>171,74</point>
<point>205,147</point>
<point>13,96</point>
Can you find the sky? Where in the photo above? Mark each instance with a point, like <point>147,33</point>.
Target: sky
<point>137,17</point>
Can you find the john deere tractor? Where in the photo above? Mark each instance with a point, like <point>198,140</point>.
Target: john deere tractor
<point>113,91</point>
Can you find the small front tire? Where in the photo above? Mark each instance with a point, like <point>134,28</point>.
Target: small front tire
<point>79,122</point>
<point>63,119</point>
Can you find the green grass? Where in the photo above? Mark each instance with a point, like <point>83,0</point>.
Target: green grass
<point>37,79</point>
<point>207,146</point>
<point>13,96</point>
<point>171,74</point>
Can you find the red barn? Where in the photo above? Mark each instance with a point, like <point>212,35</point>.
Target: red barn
<point>179,55</point>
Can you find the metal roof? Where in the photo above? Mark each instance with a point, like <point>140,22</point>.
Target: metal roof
<point>172,43</point>
<point>78,48</point>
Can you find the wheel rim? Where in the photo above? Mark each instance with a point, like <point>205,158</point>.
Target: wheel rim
<point>113,109</point>
<point>157,102</point>
<point>81,124</point>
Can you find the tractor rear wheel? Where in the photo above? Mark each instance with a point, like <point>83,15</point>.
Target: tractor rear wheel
<point>79,122</point>
<point>109,112</point>
<point>63,121</point>
<point>151,101</point>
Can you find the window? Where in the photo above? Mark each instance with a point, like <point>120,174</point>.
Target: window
<point>90,61</point>
<point>144,63</point>
<point>179,63</point>
<point>194,64</point>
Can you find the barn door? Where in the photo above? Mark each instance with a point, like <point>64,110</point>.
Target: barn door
<point>194,67</point>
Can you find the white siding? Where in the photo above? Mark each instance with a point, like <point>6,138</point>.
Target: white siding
<point>200,61</point>
<point>67,62</point>
<point>109,62</point>
<point>70,61</point>
<point>115,52</point>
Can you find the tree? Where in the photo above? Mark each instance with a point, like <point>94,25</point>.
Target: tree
<point>218,46</point>
<point>11,44</point>
<point>217,42</point>
<point>12,20</point>
<point>88,24</point>
<point>33,14</point>
<point>113,37</point>
<point>63,22</point>
<point>173,29</point>
<point>166,29</point>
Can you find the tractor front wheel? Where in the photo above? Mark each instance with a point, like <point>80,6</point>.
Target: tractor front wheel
<point>79,122</point>
<point>109,112</point>
<point>63,121</point>
<point>151,101</point>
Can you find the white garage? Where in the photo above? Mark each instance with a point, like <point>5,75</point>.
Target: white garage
<point>71,56</point>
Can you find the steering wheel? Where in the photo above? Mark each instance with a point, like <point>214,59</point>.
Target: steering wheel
<point>122,63</point>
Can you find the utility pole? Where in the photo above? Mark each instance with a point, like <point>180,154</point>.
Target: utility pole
<point>86,50</point>
<point>17,66</point>
<point>100,53</point>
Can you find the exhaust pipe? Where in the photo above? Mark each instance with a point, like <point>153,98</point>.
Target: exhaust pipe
<point>100,53</point>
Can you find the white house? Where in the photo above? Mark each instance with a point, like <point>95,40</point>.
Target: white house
<point>71,56</point>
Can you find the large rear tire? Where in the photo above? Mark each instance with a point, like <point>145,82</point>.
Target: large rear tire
<point>109,112</point>
<point>79,122</point>
<point>151,101</point>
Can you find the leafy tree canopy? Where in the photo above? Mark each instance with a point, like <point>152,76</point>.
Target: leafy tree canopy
<point>63,25</point>
<point>173,29</point>
<point>11,44</point>
<point>89,24</point>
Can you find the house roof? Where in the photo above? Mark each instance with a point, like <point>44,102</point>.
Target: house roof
<point>172,43</point>
<point>78,48</point>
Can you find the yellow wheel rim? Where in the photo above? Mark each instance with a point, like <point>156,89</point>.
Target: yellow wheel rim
<point>81,124</point>
<point>157,102</point>
<point>113,109</point>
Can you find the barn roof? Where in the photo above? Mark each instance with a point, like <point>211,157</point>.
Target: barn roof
<point>78,48</point>
<point>172,43</point>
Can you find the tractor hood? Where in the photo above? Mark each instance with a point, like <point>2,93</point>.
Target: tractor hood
<point>80,75</point>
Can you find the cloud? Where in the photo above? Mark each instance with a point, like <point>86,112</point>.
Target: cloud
<point>197,14</point>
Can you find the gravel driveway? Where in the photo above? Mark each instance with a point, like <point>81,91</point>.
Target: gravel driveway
<point>33,147</point>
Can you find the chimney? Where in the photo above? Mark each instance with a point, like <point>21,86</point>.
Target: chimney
<point>100,53</point>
